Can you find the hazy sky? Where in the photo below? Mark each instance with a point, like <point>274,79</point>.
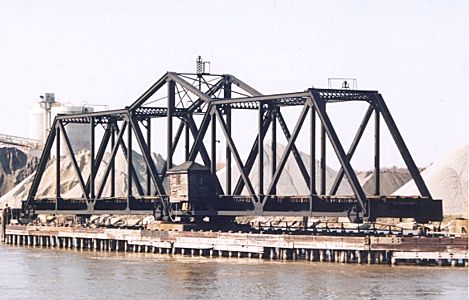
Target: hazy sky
<point>108,52</point>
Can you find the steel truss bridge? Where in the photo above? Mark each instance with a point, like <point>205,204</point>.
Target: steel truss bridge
<point>212,99</point>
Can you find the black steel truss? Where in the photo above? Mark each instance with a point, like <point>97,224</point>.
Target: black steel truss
<point>202,94</point>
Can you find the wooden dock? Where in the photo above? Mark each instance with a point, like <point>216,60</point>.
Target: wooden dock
<point>422,250</point>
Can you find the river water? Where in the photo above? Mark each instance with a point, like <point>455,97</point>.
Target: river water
<point>74,274</point>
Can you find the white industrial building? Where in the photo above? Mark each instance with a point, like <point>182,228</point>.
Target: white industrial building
<point>42,114</point>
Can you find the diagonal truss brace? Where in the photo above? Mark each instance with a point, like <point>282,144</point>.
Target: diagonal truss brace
<point>288,149</point>
<point>74,161</point>
<point>319,107</point>
<point>414,171</point>
<point>294,150</point>
<point>236,156</point>
<point>254,152</point>
<point>147,156</point>
<point>353,147</point>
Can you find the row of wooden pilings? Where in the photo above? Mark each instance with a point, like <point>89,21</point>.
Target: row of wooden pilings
<point>322,255</point>
<point>343,256</point>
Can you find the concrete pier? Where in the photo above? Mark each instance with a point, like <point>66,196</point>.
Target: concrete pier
<point>394,250</point>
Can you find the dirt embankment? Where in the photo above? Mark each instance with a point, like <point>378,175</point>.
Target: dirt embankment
<point>15,166</point>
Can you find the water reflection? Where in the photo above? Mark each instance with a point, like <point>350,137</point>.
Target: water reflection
<point>53,274</point>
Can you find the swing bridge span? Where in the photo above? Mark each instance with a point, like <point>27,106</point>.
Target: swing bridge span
<point>198,114</point>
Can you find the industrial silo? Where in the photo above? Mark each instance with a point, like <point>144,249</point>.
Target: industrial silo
<point>40,118</point>
<point>79,134</point>
<point>42,114</point>
<point>37,130</point>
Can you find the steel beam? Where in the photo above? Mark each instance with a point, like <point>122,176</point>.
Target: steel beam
<point>42,164</point>
<point>377,155</point>
<point>169,138</point>
<point>227,95</point>
<point>147,156</point>
<point>187,143</point>
<point>133,173</point>
<point>213,144</point>
<point>312,153</point>
<point>130,165</point>
<point>190,87</point>
<point>252,155</point>
<point>260,153</point>
<point>334,139</point>
<point>112,162</point>
<point>81,182</point>
<point>353,147</point>
<point>274,148</point>
<point>175,143</point>
<point>110,168</point>
<point>263,98</point>
<point>236,156</point>
<point>92,158</point>
<point>294,150</point>
<point>323,165</point>
<point>153,89</point>
<point>198,142</point>
<point>198,137</point>
<point>99,155</point>
<point>148,127</point>
<point>245,87</point>
<point>409,161</point>
<point>57,165</point>
<point>290,144</point>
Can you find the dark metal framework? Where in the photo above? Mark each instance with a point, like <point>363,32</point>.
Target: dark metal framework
<point>215,97</point>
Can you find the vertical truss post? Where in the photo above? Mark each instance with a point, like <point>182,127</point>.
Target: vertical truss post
<point>112,161</point>
<point>213,142</point>
<point>377,155</point>
<point>319,106</point>
<point>92,157</point>
<point>312,153</point>
<point>98,157</point>
<point>74,160</point>
<point>274,148</point>
<point>323,156</point>
<point>228,151</point>
<point>129,164</point>
<point>149,150</point>
<point>147,157</point>
<point>169,142</point>
<point>111,166</point>
<point>260,153</point>
<point>134,175</point>
<point>227,95</point>
<point>175,143</point>
<point>57,167</point>
<point>186,140</point>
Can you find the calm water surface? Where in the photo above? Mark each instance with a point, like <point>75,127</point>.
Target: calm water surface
<point>70,274</point>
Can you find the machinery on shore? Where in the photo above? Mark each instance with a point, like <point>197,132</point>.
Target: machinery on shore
<point>203,102</point>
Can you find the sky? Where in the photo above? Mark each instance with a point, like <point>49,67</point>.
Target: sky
<point>109,52</point>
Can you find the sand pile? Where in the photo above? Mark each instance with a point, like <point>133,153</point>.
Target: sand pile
<point>70,184</point>
<point>391,180</point>
<point>15,165</point>
<point>447,180</point>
